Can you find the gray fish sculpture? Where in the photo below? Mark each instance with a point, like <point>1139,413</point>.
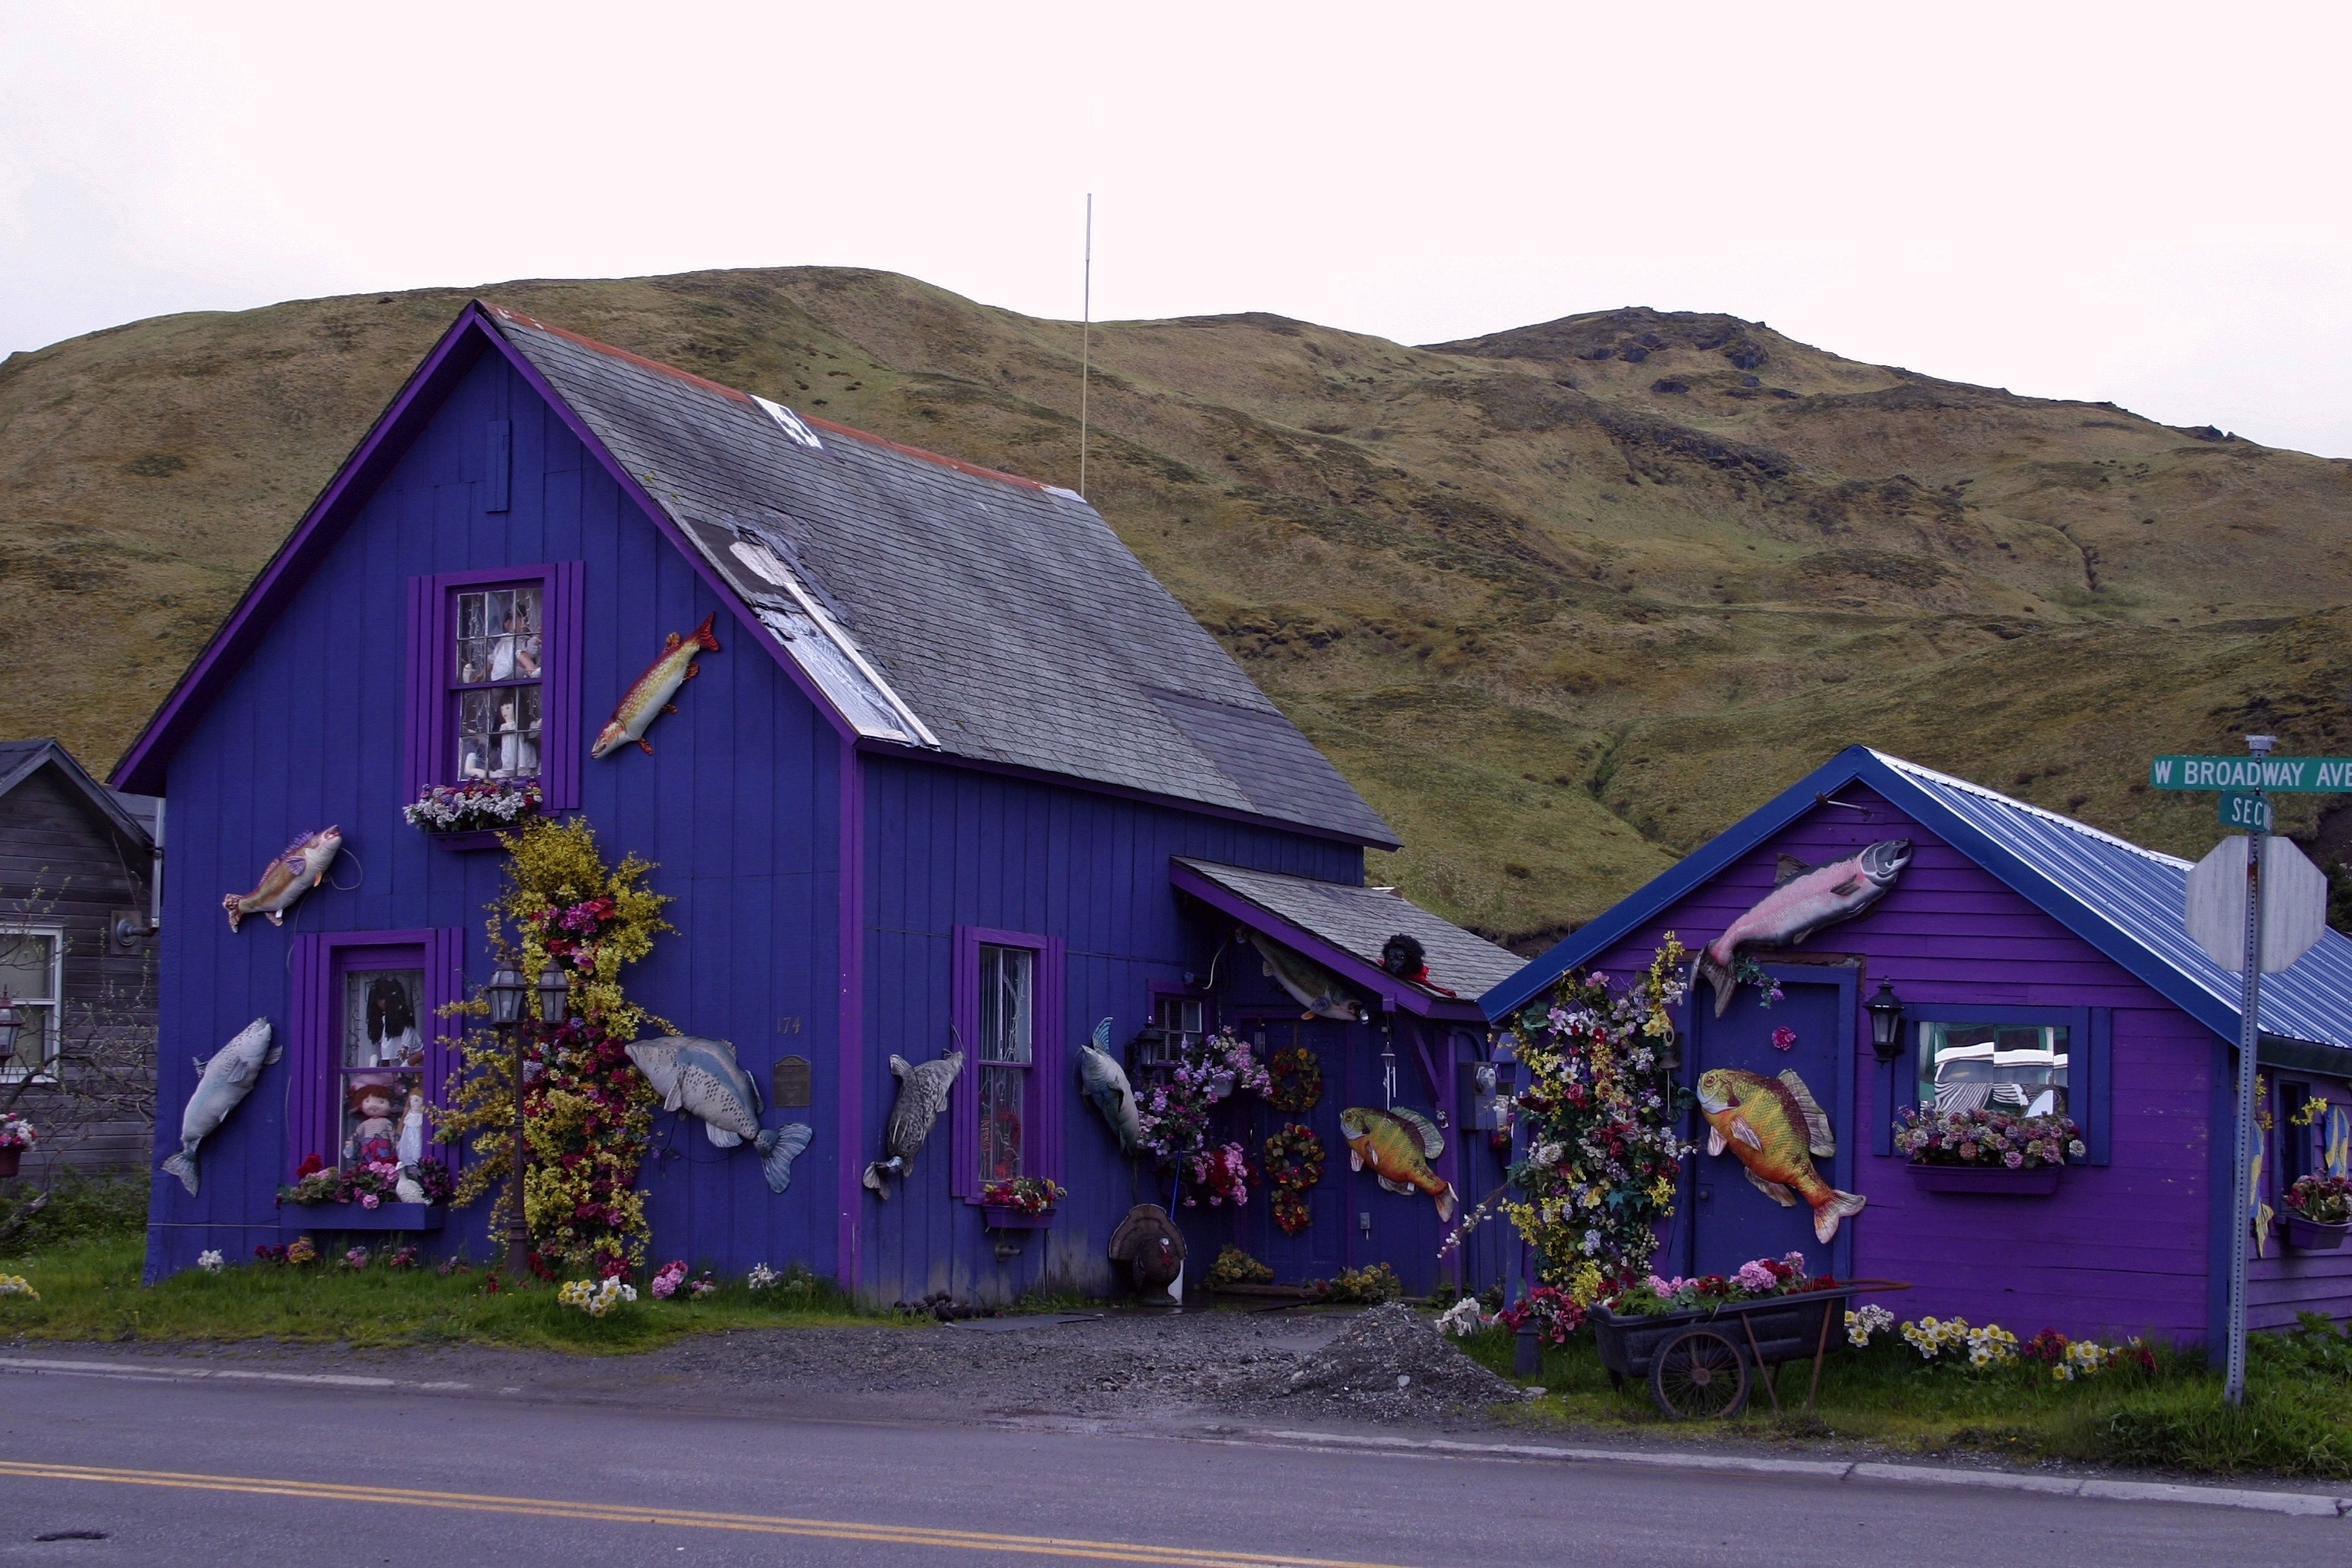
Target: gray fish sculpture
<point>1805,900</point>
<point>222,1084</point>
<point>1314,988</point>
<point>923,1095</point>
<point>1105,1083</point>
<point>703,1078</point>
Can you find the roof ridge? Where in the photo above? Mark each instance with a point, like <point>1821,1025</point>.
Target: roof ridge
<point>975,469</point>
<point>2085,829</point>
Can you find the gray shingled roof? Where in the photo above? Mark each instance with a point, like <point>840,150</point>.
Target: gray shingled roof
<point>937,603</point>
<point>133,814</point>
<point>1359,922</point>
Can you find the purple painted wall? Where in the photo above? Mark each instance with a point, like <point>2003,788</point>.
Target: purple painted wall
<point>737,808</point>
<point>2121,1249</point>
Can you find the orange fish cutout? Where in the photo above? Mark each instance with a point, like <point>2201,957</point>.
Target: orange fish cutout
<point>1774,1127</point>
<point>649,696</point>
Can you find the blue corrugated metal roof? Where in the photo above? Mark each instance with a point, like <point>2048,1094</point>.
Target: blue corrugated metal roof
<point>2123,899</point>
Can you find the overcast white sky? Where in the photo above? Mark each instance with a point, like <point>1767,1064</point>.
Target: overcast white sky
<point>2139,203</point>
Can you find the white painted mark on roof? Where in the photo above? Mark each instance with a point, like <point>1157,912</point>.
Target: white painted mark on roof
<point>771,568</point>
<point>790,423</point>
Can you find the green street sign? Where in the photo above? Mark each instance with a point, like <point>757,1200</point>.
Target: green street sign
<point>2245,811</point>
<point>2287,775</point>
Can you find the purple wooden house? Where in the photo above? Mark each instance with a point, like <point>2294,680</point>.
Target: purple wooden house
<point>2040,964</point>
<point>962,771</point>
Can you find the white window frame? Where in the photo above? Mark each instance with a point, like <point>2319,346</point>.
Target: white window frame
<point>48,1008</point>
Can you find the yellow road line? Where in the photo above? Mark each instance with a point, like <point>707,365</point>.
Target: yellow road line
<point>617,1513</point>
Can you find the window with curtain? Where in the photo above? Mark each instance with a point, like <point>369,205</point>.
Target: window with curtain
<point>2020,1069</point>
<point>1008,987</point>
<point>32,961</point>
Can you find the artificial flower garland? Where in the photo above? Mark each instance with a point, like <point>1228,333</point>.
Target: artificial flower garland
<point>1601,1156</point>
<point>1294,1163</point>
<point>588,1112</point>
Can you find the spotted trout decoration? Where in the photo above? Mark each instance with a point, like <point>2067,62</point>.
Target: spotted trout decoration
<point>1774,1127</point>
<point>1805,900</point>
<point>297,870</point>
<point>649,696</point>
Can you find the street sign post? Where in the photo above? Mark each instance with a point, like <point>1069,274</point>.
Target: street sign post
<point>2245,811</point>
<point>2255,905</point>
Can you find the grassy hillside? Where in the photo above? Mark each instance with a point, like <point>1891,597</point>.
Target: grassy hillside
<point>1562,600</point>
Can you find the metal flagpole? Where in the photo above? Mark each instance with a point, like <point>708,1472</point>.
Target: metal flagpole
<point>1085,341</point>
<point>2242,1185</point>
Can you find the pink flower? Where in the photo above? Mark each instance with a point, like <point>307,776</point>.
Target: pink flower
<point>1784,1038</point>
<point>369,1200</point>
<point>2012,1159</point>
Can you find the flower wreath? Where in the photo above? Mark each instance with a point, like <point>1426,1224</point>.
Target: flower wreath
<point>1298,1078</point>
<point>1293,1162</point>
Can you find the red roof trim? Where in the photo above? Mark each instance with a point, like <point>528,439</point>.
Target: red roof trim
<point>945,462</point>
<point>588,342</point>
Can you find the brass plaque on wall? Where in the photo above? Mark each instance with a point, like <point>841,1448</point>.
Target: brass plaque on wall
<point>791,1081</point>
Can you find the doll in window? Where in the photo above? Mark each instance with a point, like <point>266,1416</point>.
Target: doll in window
<point>374,1138</point>
<point>392,1025</point>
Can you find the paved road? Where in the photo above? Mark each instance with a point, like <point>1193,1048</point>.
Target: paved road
<point>195,1472</point>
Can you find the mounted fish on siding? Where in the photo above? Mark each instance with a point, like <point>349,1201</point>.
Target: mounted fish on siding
<point>221,1087</point>
<point>1774,1127</point>
<point>923,1095</point>
<point>1398,1145</point>
<point>703,1078</point>
<point>297,870</point>
<point>1104,1084</point>
<point>649,696</point>
<point>1805,900</point>
<point>1311,984</point>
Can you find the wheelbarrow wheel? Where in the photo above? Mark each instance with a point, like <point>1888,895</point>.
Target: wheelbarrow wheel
<point>1699,1375</point>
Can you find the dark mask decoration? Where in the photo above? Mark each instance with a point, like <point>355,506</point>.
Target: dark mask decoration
<point>1404,957</point>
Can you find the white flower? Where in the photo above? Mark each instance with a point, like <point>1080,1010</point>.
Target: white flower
<point>209,1260</point>
<point>761,1277</point>
<point>1462,1319</point>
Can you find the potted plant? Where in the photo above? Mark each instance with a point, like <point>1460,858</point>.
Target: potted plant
<point>1990,1152</point>
<point>17,1135</point>
<point>1025,1203</point>
<point>2318,1212</point>
<point>472,815</point>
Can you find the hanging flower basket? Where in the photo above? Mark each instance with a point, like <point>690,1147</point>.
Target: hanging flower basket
<point>2307,1236</point>
<point>1992,1180</point>
<point>9,1158</point>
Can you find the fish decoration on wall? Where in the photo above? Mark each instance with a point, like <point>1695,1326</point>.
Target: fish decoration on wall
<point>1804,899</point>
<point>297,868</point>
<point>1774,1127</point>
<point>1397,1146</point>
<point>923,1095</point>
<point>222,1084</point>
<point>649,696</point>
<point>1311,984</point>
<point>703,1078</point>
<point>1105,1083</point>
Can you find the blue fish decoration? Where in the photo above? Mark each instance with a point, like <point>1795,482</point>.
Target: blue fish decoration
<point>702,1079</point>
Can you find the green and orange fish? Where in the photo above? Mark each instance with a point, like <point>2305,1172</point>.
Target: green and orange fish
<point>649,696</point>
<point>1774,1127</point>
<point>1398,1145</point>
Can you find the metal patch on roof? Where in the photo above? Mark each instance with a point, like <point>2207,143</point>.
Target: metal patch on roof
<point>790,423</point>
<point>822,647</point>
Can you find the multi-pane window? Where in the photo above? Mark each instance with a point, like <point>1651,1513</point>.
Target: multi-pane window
<point>1008,989</point>
<point>496,673</point>
<point>1179,1021</point>
<point>382,1073</point>
<point>2017,1068</point>
<point>31,964</point>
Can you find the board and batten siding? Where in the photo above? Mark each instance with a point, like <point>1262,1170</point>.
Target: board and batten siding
<point>63,865</point>
<point>2121,1249</point>
<point>948,846</point>
<point>737,808</point>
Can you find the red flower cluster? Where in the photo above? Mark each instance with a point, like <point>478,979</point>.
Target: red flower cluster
<point>1555,1313</point>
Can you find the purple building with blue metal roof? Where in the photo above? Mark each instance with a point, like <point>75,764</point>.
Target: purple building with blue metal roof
<point>2040,964</point>
<point>956,731</point>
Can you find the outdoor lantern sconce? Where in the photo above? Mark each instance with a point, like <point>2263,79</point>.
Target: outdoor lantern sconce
<point>554,995</point>
<point>505,991</point>
<point>11,1024</point>
<point>1886,1022</point>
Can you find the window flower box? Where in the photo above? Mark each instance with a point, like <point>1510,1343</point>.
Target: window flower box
<point>2309,1236</point>
<point>1992,1180</point>
<point>305,1218</point>
<point>1023,1203</point>
<point>999,1216</point>
<point>470,815</point>
<point>465,843</point>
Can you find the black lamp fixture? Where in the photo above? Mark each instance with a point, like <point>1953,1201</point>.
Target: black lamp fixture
<point>505,991</point>
<point>1885,1022</point>
<point>554,995</point>
<point>11,1024</point>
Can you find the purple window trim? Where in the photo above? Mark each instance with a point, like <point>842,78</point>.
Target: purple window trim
<point>427,726</point>
<point>1042,1135</point>
<point>314,1058</point>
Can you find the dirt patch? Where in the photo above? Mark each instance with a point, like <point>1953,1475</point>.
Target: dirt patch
<point>1391,1364</point>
